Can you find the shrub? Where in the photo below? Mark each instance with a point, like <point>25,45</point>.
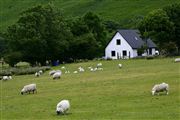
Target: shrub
<point>149,57</point>
<point>23,71</point>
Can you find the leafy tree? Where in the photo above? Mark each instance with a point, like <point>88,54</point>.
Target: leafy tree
<point>173,12</point>
<point>13,58</point>
<point>96,27</point>
<point>88,37</point>
<point>3,46</point>
<point>84,47</point>
<point>157,26</point>
<point>41,33</point>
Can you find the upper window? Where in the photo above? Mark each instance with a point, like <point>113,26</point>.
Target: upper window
<point>118,42</point>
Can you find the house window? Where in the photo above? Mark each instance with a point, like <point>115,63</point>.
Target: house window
<point>113,53</point>
<point>124,53</point>
<point>118,42</point>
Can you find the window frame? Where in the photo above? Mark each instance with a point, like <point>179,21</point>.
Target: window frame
<point>118,43</point>
<point>113,53</point>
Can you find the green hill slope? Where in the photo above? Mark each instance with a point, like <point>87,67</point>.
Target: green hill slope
<point>121,11</point>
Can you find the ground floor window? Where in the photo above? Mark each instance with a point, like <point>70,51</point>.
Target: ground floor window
<point>124,53</point>
<point>113,53</point>
<point>150,51</point>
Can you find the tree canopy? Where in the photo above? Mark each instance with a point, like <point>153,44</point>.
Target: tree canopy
<point>40,34</point>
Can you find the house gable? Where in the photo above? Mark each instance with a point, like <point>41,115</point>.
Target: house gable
<point>118,44</point>
<point>125,43</point>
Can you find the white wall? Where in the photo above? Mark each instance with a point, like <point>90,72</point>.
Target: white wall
<point>112,46</point>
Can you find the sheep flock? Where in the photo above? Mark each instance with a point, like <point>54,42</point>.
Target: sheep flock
<point>64,105</point>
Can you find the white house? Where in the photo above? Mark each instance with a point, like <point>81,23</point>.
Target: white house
<point>125,44</point>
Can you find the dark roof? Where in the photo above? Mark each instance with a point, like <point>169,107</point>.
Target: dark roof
<point>134,39</point>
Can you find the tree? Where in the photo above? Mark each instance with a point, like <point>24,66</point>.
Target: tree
<point>40,34</point>
<point>173,12</point>
<point>95,25</point>
<point>3,46</point>
<point>84,47</point>
<point>88,37</point>
<point>157,26</point>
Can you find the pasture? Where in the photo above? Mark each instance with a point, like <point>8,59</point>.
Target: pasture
<point>111,94</point>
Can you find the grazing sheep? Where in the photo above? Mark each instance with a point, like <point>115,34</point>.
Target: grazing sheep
<point>29,88</point>
<point>160,88</point>
<point>40,71</point>
<point>10,77</point>
<point>99,65</point>
<point>120,65</point>
<point>75,72</point>
<point>89,67</point>
<point>81,69</point>
<point>52,72</point>
<point>99,68</point>
<point>67,71</point>
<point>37,74</point>
<point>57,75</point>
<point>62,107</point>
<point>6,78</point>
<point>177,60</point>
<point>62,67</point>
<point>92,70</point>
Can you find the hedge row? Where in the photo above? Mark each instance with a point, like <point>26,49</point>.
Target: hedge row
<point>23,71</point>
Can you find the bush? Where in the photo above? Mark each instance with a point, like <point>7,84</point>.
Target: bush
<point>23,71</point>
<point>150,57</point>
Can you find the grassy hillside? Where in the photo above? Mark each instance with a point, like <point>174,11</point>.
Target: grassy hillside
<point>121,11</point>
<point>116,94</point>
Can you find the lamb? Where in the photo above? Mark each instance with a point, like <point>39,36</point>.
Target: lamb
<point>40,72</point>
<point>177,60</point>
<point>99,65</point>
<point>52,72</point>
<point>67,71</point>
<point>37,74</point>
<point>63,67</point>
<point>160,88</point>
<point>99,68</point>
<point>81,69</point>
<point>120,65</point>
<point>29,88</point>
<point>62,107</point>
<point>57,75</point>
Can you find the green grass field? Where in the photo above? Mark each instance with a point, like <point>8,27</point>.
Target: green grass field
<point>111,94</point>
<point>122,11</point>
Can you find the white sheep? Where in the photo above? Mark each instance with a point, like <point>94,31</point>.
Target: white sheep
<point>120,65</point>
<point>57,75</point>
<point>99,68</point>
<point>6,78</point>
<point>37,74</point>
<point>63,67</point>
<point>99,65</point>
<point>177,60</point>
<point>81,69</point>
<point>67,71</point>
<point>52,72</point>
<point>40,72</point>
<point>75,72</point>
<point>10,77</point>
<point>62,107</point>
<point>29,88</point>
<point>160,88</point>
<point>89,67</point>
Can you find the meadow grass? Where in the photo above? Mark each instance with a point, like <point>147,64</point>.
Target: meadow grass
<point>111,94</point>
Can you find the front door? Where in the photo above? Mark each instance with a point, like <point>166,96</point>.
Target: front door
<point>150,51</point>
<point>124,53</point>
